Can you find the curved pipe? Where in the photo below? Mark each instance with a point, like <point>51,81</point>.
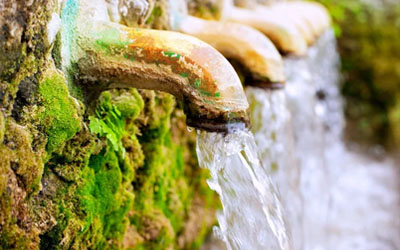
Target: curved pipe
<point>312,19</point>
<point>114,56</point>
<point>283,33</point>
<point>298,18</point>
<point>242,43</point>
<point>316,15</point>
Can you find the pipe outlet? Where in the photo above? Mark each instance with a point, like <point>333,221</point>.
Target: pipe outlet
<point>283,33</point>
<point>110,55</point>
<point>242,43</point>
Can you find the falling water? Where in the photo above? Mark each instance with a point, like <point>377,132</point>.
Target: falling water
<point>323,62</point>
<point>251,216</point>
<point>273,132</point>
<point>309,137</point>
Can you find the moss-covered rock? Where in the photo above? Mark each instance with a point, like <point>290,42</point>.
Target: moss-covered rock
<point>118,172</point>
<point>140,197</point>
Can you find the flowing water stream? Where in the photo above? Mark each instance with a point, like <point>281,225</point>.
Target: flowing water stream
<point>252,215</point>
<point>273,132</point>
<point>309,137</point>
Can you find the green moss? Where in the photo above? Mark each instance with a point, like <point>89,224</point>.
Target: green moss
<point>152,190</point>
<point>98,198</point>
<point>165,187</point>
<point>23,59</point>
<point>105,192</point>
<point>160,196</point>
<point>104,198</point>
<point>20,174</point>
<point>129,103</point>
<point>63,187</point>
<point>2,127</point>
<point>60,115</point>
<point>158,187</point>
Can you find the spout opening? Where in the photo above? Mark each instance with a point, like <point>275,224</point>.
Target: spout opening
<point>267,85</point>
<point>249,78</point>
<point>220,127</point>
<point>109,56</point>
<point>208,118</point>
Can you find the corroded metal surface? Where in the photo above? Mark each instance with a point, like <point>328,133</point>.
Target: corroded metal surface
<point>109,55</point>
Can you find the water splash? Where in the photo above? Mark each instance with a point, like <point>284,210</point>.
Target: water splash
<point>273,132</point>
<point>252,215</point>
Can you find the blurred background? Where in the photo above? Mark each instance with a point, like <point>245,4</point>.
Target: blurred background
<point>368,33</point>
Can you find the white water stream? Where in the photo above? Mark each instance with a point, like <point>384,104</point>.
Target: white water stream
<point>273,132</point>
<point>252,215</point>
<point>309,132</point>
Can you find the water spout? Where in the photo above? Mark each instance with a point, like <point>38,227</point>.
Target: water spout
<point>110,55</point>
<point>317,15</point>
<point>299,20</point>
<point>242,43</point>
<point>312,19</point>
<point>283,33</point>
